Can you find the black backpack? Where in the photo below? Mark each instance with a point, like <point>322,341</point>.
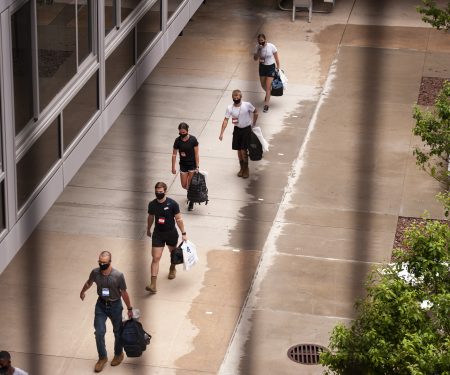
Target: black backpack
<point>133,338</point>
<point>198,192</point>
<point>255,151</point>
<point>277,86</point>
<point>176,256</point>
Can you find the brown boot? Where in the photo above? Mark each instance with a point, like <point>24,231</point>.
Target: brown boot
<point>100,364</point>
<point>152,287</point>
<point>245,172</point>
<point>172,272</point>
<point>241,162</point>
<point>117,360</point>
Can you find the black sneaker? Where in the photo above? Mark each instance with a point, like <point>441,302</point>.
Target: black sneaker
<point>266,108</point>
<point>191,206</point>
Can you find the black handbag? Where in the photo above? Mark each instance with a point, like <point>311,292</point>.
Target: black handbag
<point>176,256</point>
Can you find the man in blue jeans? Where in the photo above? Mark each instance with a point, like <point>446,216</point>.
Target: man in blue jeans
<point>111,289</point>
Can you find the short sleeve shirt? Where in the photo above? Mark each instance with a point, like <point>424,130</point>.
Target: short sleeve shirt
<point>164,214</point>
<point>186,149</point>
<point>108,286</point>
<point>265,53</point>
<point>243,114</point>
<point>18,371</point>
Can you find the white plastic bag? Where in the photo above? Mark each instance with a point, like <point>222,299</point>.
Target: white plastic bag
<point>283,78</point>
<point>258,132</point>
<point>189,255</point>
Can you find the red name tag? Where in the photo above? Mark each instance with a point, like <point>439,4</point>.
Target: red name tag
<point>234,120</point>
<point>161,220</point>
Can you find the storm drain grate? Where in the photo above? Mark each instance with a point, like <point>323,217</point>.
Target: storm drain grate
<point>306,354</point>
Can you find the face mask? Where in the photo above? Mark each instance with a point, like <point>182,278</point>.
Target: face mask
<point>182,135</point>
<point>261,43</point>
<point>3,370</point>
<point>103,267</point>
<point>160,195</point>
<point>236,101</point>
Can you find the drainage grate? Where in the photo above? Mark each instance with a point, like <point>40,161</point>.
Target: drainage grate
<point>306,354</point>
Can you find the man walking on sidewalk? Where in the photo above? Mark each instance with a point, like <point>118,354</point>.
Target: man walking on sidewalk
<point>243,116</point>
<point>164,212</point>
<point>111,289</point>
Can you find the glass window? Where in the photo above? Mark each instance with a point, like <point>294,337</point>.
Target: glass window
<point>148,27</point>
<point>36,162</point>
<point>119,62</point>
<point>2,206</point>
<point>56,47</point>
<point>80,110</point>
<point>173,5</point>
<point>126,7</point>
<point>22,66</point>
<point>85,27</point>
<point>110,15</point>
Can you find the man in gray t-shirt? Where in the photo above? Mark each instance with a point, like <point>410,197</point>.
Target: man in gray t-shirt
<point>111,289</point>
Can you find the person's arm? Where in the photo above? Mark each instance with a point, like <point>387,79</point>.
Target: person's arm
<point>180,225</point>
<point>224,125</point>
<point>277,60</point>
<point>256,53</point>
<point>174,159</point>
<point>197,158</point>
<point>86,286</point>
<point>150,220</point>
<point>126,299</point>
<point>255,117</point>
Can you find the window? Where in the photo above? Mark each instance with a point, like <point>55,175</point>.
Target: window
<point>56,47</point>
<point>126,7</point>
<point>80,110</point>
<point>148,27</point>
<point>173,5</point>
<point>37,162</point>
<point>110,15</point>
<point>119,62</point>
<point>85,27</point>
<point>22,66</point>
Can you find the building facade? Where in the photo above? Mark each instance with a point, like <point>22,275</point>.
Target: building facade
<point>67,70</point>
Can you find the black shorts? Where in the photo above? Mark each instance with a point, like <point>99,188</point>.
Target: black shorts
<point>187,167</point>
<point>241,138</point>
<point>266,70</point>
<point>169,238</point>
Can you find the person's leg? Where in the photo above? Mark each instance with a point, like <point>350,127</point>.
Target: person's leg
<point>245,170</point>
<point>115,314</point>
<point>269,81</point>
<point>172,241</point>
<point>184,180</point>
<point>262,80</point>
<point>100,330</point>
<point>156,257</point>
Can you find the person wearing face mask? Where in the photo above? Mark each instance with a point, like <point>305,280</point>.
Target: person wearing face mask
<point>187,146</point>
<point>243,116</point>
<point>164,212</point>
<point>6,367</point>
<point>111,289</point>
<point>267,55</point>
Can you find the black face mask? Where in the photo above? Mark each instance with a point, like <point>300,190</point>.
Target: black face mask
<point>236,101</point>
<point>160,195</point>
<point>103,267</point>
<point>4,370</point>
<point>261,44</point>
<point>182,135</point>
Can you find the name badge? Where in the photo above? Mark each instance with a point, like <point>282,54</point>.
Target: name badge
<point>182,154</point>
<point>262,60</point>
<point>161,220</point>
<point>105,292</point>
<point>234,120</point>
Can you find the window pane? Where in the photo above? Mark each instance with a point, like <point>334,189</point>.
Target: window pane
<point>36,163</point>
<point>2,206</point>
<point>173,6</point>
<point>22,65</point>
<point>78,112</point>
<point>85,27</point>
<point>110,15</point>
<point>148,27</point>
<point>56,46</point>
<point>127,6</point>
<point>119,62</point>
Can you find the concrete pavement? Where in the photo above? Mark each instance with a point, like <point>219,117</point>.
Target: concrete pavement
<point>283,255</point>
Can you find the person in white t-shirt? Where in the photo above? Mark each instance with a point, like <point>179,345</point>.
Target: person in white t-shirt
<point>267,55</point>
<point>6,367</point>
<point>243,116</point>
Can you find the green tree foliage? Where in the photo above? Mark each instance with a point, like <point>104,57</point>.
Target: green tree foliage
<point>403,324</point>
<point>434,130</point>
<point>437,17</point>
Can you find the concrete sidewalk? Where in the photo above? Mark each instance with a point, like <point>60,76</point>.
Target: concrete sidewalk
<point>283,255</point>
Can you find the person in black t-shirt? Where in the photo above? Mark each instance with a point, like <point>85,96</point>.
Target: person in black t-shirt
<point>187,146</point>
<point>164,212</point>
